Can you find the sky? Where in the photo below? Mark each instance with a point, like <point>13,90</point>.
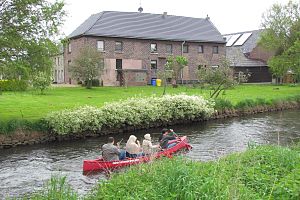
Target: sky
<point>229,16</point>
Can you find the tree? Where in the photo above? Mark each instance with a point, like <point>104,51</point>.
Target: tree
<point>41,81</point>
<point>87,66</point>
<point>282,35</point>
<point>27,28</point>
<point>219,78</point>
<point>176,65</point>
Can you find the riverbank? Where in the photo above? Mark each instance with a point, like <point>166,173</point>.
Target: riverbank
<point>261,172</point>
<point>224,109</point>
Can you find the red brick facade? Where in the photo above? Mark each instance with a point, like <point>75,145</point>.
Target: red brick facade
<point>137,51</point>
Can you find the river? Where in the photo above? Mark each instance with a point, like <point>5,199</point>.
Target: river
<point>25,169</point>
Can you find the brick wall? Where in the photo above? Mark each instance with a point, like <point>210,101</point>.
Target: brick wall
<point>139,50</point>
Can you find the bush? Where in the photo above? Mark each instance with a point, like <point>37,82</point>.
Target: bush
<point>221,104</point>
<point>13,85</point>
<point>21,124</point>
<point>95,83</point>
<point>247,103</point>
<point>133,112</point>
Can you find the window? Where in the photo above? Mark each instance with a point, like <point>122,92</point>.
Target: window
<point>69,48</point>
<point>100,45</point>
<point>118,63</point>
<point>153,48</point>
<point>200,49</point>
<point>153,64</point>
<point>119,46</point>
<point>215,49</point>
<point>185,48</point>
<point>169,48</point>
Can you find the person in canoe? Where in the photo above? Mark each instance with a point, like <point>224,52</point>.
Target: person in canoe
<point>147,146</point>
<point>111,152</point>
<point>133,147</point>
<point>166,136</point>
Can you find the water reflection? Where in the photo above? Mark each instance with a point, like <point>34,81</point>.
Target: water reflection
<point>25,169</point>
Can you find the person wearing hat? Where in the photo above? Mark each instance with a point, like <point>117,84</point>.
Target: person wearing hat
<point>147,145</point>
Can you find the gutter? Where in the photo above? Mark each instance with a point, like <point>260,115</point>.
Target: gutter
<point>181,73</point>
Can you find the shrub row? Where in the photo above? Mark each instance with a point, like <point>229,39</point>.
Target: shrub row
<point>221,104</point>
<point>132,112</point>
<point>13,85</point>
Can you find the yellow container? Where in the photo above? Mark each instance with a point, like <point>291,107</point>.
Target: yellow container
<point>158,82</point>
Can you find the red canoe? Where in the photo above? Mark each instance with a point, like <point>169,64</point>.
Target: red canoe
<point>99,164</point>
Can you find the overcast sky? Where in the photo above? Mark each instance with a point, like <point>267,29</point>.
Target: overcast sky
<point>228,16</point>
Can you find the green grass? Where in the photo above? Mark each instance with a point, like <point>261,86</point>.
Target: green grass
<point>261,172</point>
<point>32,106</point>
<point>264,172</point>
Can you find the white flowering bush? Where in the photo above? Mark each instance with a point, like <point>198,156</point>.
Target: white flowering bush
<point>132,112</point>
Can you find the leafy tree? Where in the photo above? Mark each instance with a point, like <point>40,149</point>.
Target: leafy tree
<point>282,35</point>
<point>27,28</point>
<point>87,66</point>
<point>176,65</point>
<point>41,81</point>
<point>220,78</point>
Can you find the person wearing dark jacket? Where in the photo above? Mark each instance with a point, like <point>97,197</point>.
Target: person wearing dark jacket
<point>165,137</point>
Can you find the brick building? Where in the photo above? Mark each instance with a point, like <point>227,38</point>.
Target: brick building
<point>245,55</point>
<point>135,45</point>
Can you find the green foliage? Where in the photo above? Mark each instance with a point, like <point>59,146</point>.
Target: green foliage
<point>35,107</point>
<point>88,65</point>
<point>56,188</point>
<point>282,36</point>
<point>41,81</point>
<point>264,172</point>
<point>220,78</point>
<point>27,27</point>
<point>21,124</point>
<point>13,85</point>
<point>176,65</point>
<point>247,103</point>
<point>133,112</point>
<point>221,104</point>
<point>95,83</point>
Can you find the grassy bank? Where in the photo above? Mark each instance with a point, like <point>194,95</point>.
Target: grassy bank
<point>262,172</point>
<point>32,106</point>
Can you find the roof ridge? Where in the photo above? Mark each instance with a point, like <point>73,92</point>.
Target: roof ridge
<point>203,18</point>
<point>101,14</point>
<point>242,32</point>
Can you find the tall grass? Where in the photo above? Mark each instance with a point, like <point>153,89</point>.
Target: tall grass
<point>55,189</point>
<point>261,172</point>
<point>264,172</point>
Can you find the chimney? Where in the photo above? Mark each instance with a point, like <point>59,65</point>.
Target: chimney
<point>164,15</point>
<point>140,9</point>
<point>207,17</point>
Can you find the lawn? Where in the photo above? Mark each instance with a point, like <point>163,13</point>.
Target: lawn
<point>31,105</point>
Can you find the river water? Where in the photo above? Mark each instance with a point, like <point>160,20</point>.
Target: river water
<point>26,169</point>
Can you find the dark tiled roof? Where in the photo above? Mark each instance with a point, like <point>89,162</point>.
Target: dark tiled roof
<point>148,26</point>
<point>237,54</point>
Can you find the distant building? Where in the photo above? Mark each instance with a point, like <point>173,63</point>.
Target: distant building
<point>246,55</point>
<point>135,45</point>
<point>58,67</point>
